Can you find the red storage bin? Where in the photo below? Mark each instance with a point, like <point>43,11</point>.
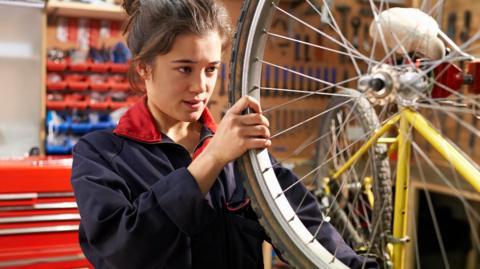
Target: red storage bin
<point>99,67</point>
<point>77,101</point>
<point>118,68</point>
<point>77,82</point>
<point>56,86</point>
<point>81,67</point>
<point>56,66</point>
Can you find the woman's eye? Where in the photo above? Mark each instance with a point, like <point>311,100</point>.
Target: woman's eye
<point>211,69</point>
<point>185,69</point>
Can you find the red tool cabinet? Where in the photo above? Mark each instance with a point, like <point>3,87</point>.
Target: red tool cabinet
<point>38,215</point>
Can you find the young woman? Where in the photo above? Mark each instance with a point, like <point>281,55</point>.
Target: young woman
<point>161,190</point>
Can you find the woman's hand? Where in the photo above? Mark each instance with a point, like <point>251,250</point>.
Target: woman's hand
<point>235,134</point>
<point>238,133</point>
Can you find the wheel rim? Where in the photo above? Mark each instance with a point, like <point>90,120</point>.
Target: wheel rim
<point>253,71</point>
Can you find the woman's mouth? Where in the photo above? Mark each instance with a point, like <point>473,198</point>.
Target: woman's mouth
<point>194,104</point>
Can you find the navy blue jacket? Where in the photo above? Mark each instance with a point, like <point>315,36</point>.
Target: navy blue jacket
<point>141,208</point>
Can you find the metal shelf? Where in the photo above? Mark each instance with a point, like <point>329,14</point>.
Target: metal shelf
<point>74,9</point>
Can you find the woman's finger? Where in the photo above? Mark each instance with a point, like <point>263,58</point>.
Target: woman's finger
<point>256,143</point>
<point>255,131</point>
<point>244,103</point>
<point>254,119</point>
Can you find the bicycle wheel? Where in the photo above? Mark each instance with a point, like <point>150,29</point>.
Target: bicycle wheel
<point>350,196</point>
<point>303,101</point>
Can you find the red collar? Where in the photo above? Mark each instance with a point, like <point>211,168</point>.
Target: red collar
<point>138,123</point>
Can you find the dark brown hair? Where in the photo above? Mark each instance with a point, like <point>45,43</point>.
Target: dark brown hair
<point>153,25</point>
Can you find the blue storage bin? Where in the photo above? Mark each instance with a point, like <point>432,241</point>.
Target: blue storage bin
<point>81,127</point>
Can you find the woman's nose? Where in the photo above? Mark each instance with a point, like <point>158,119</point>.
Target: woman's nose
<point>199,83</point>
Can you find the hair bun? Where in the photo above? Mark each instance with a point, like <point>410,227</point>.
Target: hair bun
<point>131,6</point>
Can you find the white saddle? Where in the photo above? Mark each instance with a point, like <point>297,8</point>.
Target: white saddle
<point>411,29</point>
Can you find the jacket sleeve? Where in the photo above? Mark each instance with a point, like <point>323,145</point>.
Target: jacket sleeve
<point>134,232</point>
<point>309,212</point>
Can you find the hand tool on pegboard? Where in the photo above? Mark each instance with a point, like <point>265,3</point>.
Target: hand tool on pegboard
<point>355,23</point>
<point>284,80</point>
<point>276,80</point>
<point>309,80</point>
<point>326,78</point>
<point>366,36</point>
<point>318,51</point>
<point>306,49</point>
<point>464,36</point>
<point>267,80</point>
<point>318,84</point>
<point>452,25</point>
<point>334,79</point>
<point>222,80</point>
<point>301,79</point>
<point>343,10</point>
<point>283,45</point>
<point>297,49</point>
<point>467,19</point>
<point>293,80</point>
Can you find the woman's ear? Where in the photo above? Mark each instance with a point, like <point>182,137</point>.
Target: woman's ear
<point>143,71</point>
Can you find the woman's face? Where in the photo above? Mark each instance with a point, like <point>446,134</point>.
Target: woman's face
<point>183,79</point>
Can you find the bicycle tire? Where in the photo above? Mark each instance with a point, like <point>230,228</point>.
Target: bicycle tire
<point>289,243</point>
<point>379,172</point>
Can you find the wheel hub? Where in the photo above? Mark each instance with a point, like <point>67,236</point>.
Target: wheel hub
<point>386,84</point>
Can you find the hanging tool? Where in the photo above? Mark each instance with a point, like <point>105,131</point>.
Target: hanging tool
<point>343,10</point>
<point>325,78</point>
<point>318,84</point>
<point>297,48</point>
<point>285,80</point>
<point>301,78</point>
<point>222,80</point>
<point>451,25</point>
<point>293,80</point>
<point>276,74</point>
<point>366,36</point>
<point>467,19</point>
<point>309,81</point>
<point>334,79</point>
<point>355,23</point>
<point>306,49</point>
<point>267,80</point>
<point>318,51</point>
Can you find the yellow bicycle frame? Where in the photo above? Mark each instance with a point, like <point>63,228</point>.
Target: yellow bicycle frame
<point>409,118</point>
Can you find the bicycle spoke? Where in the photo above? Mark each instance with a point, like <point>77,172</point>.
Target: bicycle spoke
<point>359,56</point>
<point>315,29</point>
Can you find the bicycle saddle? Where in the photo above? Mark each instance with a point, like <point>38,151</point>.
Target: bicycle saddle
<point>408,30</point>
